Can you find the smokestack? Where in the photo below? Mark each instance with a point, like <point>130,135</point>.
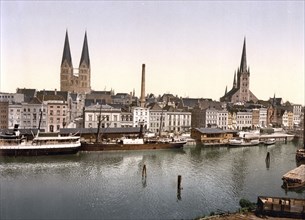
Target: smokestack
<point>142,99</point>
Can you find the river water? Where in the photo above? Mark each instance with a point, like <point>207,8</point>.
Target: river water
<point>109,185</point>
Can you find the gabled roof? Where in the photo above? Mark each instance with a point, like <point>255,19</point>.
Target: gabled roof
<point>89,102</point>
<point>63,94</point>
<point>210,130</point>
<point>28,93</point>
<point>35,100</point>
<point>154,106</point>
<point>228,96</point>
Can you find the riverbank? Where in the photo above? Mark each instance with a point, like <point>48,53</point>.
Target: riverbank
<point>240,216</point>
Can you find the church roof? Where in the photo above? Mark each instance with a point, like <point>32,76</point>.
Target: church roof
<point>66,53</point>
<point>85,53</point>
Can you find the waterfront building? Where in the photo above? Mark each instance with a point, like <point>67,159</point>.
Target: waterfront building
<point>244,120</point>
<point>109,116</point>
<point>31,113</point>
<point>290,119</point>
<point>14,114</point>
<point>240,91</point>
<point>140,117</point>
<point>211,117</point>
<point>198,117</point>
<point>156,118</point>
<point>57,112</point>
<point>72,79</point>
<point>176,120</point>
<point>126,119</point>
<point>76,104</point>
<point>263,118</point>
<point>4,115</point>
<point>297,111</point>
<point>255,118</point>
<point>222,119</point>
<point>211,136</point>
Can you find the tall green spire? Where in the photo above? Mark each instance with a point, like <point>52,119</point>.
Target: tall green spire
<point>85,52</point>
<point>66,53</point>
<point>243,63</point>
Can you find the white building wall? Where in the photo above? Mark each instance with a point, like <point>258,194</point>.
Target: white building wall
<point>263,117</point>
<point>222,119</point>
<point>14,115</point>
<point>140,116</point>
<point>211,117</point>
<point>243,120</point>
<point>109,116</point>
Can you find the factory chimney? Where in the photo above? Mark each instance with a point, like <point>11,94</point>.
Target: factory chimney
<point>142,99</point>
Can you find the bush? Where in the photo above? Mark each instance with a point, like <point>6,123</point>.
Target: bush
<point>246,204</point>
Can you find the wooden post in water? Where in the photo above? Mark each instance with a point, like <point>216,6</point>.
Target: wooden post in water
<point>285,140</point>
<point>144,174</point>
<point>179,187</point>
<point>267,160</point>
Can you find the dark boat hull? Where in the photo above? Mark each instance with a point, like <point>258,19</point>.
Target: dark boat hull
<point>145,146</point>
<point>38,152</point>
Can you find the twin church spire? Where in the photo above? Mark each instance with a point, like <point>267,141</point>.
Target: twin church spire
<point>75,79</point>
<point>67,53</point>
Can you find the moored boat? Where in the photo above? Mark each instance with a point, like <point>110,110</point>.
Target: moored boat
<point>281,207</point>
<point>269,141</point>
<point>300,155</point>
<point>16,145</point>
<point>132,144</point>
<point>295,178</point>
<point>243,142</point>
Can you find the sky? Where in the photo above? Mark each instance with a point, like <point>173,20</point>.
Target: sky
<point>190,48</point>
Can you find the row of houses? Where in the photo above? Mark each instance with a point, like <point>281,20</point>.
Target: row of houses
<point>53,110</point>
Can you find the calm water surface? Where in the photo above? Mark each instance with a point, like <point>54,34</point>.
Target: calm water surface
<point>109,185</point>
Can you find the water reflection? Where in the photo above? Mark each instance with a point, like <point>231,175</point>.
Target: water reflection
<point>113,185</point>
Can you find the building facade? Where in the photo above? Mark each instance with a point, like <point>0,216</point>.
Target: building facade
<point>108,116</point>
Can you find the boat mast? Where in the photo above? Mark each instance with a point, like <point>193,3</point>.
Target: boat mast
<point>98,125</point>
<point>304,129</point>
<point>40,116</point>
<point>161,123</point>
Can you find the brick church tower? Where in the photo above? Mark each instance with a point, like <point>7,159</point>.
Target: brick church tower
<point>240,91</point>
<point>73,79</point>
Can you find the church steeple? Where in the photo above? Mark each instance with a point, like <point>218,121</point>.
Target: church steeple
<point>243,63</point>
<point>234,80</point>
<point>66,54</point>
<point>85,53</point>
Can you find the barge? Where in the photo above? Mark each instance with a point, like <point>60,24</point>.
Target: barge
<point>295,178</point>
<point>281,207</point>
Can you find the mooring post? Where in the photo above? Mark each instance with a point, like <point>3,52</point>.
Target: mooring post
<point>179,182</point>
<point>267,160</point>
<point>285,140</point>
<point>144,174</point>
<point>179,188</point>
